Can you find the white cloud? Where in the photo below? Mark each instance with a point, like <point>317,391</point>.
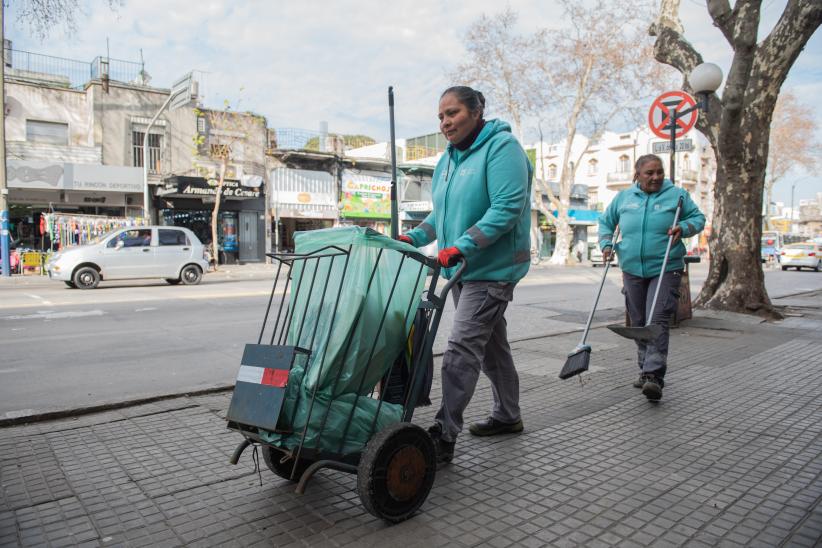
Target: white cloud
<point>301,62</point>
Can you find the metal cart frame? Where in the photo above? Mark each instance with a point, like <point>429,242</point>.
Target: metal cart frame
<point>396,468</point>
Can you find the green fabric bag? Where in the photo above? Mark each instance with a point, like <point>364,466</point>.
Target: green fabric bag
<point>353,347</point>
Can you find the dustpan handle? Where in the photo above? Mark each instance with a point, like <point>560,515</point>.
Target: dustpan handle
<point>601,285</point>
<point>664,262</point>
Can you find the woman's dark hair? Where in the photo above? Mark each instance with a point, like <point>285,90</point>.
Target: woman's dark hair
<point>644,159</point>
<point>474,100</point>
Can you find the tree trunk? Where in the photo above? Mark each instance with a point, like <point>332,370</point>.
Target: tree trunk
<point>215,213</point>
<point>735,279</point>
<point>738,127</point>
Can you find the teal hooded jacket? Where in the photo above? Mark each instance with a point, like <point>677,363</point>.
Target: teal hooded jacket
<point>644,220</point>
<point>482,206</point>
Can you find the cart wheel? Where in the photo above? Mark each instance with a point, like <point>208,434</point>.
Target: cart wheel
<point>396,472</point>
<point>273,459</point>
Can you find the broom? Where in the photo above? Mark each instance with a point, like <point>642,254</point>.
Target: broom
<point>577,361</point>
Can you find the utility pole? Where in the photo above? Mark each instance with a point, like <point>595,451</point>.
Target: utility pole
<point>4,191</point>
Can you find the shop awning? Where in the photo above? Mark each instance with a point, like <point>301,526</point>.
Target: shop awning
<point>581,217</point>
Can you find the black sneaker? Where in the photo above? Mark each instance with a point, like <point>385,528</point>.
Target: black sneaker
<point>445,449</point>
<point>493,427</point>
<point>652,389</point>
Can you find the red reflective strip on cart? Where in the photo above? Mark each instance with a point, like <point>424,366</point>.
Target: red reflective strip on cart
<point>275,377</point>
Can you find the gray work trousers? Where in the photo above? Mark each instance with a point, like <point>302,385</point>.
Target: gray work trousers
<point>478,341</point>
<point>652,356</point>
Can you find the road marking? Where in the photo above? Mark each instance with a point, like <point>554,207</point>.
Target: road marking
<point>9,370</point>
<point>51,315</point>
<point>39,298</point>
<point>144,309</point>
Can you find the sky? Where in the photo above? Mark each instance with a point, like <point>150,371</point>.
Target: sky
<point>300,62</point>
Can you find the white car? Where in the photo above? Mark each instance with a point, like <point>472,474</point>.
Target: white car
<point>169,252</point>
<point>805,255</point>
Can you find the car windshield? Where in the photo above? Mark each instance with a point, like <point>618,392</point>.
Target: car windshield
<point>806,247</point>
<point>103,236</point>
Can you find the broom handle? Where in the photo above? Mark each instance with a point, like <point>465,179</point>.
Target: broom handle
<point>601,285</point>
<point>664,262</point>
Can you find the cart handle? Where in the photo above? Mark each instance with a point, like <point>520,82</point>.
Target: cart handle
<point>463,264</point>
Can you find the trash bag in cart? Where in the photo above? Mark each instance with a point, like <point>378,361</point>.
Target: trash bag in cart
<point>354,313</point>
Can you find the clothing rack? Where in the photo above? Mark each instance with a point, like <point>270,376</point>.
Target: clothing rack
<point>66,229</point>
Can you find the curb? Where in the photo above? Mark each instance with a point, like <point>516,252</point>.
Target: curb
<point>66,413</point>
<point>43,416</point>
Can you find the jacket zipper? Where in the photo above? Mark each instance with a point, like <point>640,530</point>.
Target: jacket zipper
<point>642,241</point>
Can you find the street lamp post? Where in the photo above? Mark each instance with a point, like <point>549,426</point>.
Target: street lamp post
<point>704,79</point>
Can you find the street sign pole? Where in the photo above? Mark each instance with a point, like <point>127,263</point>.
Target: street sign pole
<point>5,248</point>
<point>672,115</point>
<point>180,87</point>
<point>672,163</point>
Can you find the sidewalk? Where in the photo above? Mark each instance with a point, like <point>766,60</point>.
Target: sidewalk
<point>731,456</point>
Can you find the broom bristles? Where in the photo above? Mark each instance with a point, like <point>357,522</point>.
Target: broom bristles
<point>576,363</point>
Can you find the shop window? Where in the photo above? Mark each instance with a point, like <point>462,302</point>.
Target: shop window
<point>155,142</point>
<point>172,237</point>
<point>52,133</point>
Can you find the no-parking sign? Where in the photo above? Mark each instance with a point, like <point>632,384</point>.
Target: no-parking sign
<point>659,119</point>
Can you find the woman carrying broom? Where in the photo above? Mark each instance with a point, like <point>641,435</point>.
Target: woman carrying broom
<point>645,214</point>
<point>481,213</point>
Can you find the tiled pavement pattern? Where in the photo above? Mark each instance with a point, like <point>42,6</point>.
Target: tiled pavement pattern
<point>731,456</point>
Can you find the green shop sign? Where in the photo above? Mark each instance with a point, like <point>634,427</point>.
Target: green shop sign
<point>365,197</point>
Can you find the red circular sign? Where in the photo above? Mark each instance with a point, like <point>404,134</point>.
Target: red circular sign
<point>658,116</point>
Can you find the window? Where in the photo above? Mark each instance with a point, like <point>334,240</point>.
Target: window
<point>552,171</point>
<point>140,237</point>
<point>624,164</point>
<point>686,161</point>
<point>592,167</point>
<point>155,142</point>
<point>52,133</point>
<point>172,237</point>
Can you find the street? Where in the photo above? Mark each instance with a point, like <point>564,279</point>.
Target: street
<point>64,349</point>
<point>729,457</point>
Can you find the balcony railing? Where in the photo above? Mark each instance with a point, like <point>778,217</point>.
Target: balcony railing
<point>418,152</point>
<point>620,177</point>
<point>304,139</point>
<point>70,73</point>
<point>688,175</point>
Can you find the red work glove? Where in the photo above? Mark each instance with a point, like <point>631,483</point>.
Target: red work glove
<point>406,239</point>
<point>449,256</point>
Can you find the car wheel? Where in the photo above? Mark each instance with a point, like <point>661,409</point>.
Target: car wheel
<point>173,281</point>
<point>784,268</point>
<point>818,266</point>
<point>86,277</point>
<point>191,274</point>
<point>71,285</point>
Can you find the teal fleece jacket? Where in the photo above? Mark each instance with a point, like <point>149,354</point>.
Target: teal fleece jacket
<point>644,220</point>
<point>482,199</point>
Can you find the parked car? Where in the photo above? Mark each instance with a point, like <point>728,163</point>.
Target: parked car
<point>168,252</point>
<point>807,255</point>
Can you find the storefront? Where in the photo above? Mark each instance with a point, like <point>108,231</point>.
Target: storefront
<point>189,202</point>
<point>86,192</point>
<point>366,199</point>
<point>301,200</point>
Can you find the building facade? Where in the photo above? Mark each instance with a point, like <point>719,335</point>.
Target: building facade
<point>75,134</point>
